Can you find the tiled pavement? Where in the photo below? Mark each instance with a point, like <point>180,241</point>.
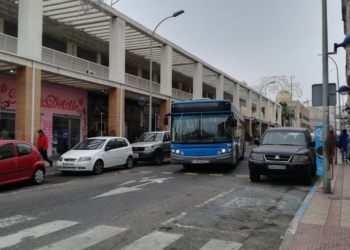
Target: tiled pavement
<point>325,219</point>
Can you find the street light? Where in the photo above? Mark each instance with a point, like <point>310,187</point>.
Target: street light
<point>345,44</point>
<point>344,90</point>
<point>177,13</point>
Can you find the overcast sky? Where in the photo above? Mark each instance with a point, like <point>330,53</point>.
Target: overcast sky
<point>250,39</point>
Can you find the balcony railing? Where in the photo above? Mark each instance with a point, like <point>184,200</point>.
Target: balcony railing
<point>66,61</point>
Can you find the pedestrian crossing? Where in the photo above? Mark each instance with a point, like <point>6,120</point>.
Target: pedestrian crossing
<point>155,240</point>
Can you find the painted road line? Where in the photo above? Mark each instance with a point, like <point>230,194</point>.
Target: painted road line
<point>145,172</point>
<point>154,241</point>
<point>242,176</point>
<point>34,232</point>
<point>292,228</point>
<point>167,173</point>
<point>124,171</point>
<point>6,222</point>
<point>221,245</point>
<point>36,189</point>
<point>217,175</point>
<point>191,173</point>
<point>87,239</point>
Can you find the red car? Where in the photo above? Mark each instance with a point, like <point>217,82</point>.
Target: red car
<point>20,161</point>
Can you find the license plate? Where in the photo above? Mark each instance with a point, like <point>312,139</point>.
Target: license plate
<point>68,164</point>
<point>277,167</point>
<point>136,155</point>
<point>200,161</point>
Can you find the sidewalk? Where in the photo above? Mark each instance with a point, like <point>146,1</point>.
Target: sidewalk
<point>323,220</point>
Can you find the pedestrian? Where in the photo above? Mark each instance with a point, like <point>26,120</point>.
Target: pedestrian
<point>62,142</point>
<point>43,144</point>
<point>343,144</point>
<point>99,132</point>
<point>112,133</point>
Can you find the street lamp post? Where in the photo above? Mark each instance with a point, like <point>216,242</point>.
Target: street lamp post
<point>177,13</point>
<point>291,101</point>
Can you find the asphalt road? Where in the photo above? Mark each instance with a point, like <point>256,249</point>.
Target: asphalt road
<point>165,207</point>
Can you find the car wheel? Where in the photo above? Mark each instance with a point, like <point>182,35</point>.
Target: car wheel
<point>129,162</point>
<point>254,177</point>
<point>98,167</point>
<point>306,179</point>
<point>38,176</point>
<point>157,159</point>
<point>135,162</point>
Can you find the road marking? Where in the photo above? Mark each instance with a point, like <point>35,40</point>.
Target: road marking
<point>86,239</point>
<point>124,171</point>
<point>222,195</point>
<point>121,190</point>
<point>217,175</point>
<point>167,172</point>
<point>34,232</point>
<point>6,222</point>
<point>126,183</point>
<point>154,241</point>
<point>145,172</point>
<point>221,245</point>
<point>35,189</point>
<point>242,176</point>
<point>191,173</point>
<point>177,218</point>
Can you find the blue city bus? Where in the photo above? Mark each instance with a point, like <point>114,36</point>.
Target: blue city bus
<point>206,131</point>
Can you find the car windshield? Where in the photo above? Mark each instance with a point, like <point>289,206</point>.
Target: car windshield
<point>151,137</point>
<point>200,128</point>
<point>275,137</point>
<point>90,144</point>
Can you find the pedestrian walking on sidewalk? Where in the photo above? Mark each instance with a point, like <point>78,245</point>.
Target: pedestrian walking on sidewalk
<point>43,144</point>
<point>343,144</point>
<point>62,142</point>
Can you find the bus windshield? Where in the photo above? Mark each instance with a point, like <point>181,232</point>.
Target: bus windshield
<point>201,128</point>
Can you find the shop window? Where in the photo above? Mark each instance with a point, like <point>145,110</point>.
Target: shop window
<point>7,151</point>
<point>23,149</point>
<point>10,29</point>
<point>7,125</point>
<point>87,55</point>
<point>55,44</point>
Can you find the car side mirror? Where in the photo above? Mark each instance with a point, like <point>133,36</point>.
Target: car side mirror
<point>165,121</point>
<point>312,144</point>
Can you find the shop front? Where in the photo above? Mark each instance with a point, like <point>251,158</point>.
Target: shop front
<point>61,108</point>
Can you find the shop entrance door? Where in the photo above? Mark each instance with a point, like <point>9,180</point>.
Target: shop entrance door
<point>72,124</point>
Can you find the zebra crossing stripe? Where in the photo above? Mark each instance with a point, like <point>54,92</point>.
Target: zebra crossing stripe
<point>6,222</point>
<point>87,239</point>
<point>34,232</point>
<point>221,245</point>
<point>153,241</point>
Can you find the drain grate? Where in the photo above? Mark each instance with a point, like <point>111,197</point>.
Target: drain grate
<point>338,198</point>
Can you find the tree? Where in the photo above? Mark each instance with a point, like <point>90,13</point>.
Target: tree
<point>285,113</point>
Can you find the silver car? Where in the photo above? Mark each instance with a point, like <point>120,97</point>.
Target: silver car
<point>152,146</point>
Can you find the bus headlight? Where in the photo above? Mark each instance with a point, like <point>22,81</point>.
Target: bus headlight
<point>173,151</point>
<point>219,152</point>
<point>177,151</point>
<point>223,150</point>
<point>182,153</point>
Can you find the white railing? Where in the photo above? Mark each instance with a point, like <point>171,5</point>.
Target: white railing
<point>63,60</point>
<point>181,94</point>
<point>8,43</point>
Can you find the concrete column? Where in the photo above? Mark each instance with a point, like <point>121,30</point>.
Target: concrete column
<point>235,96</point>
<point>180,86</point>
<point>25,127</point>
<point>268,111</point>
<point>219,87</point>
<point>72,49</point>
<point>249,103</point>
<point>1,25</point>
<point>258,108</point>
<point>99,56</point>
<point>279,120</point>
<point>166,76</point>
<point>117,50</point>
<point>155,77</point>
<point>164,109</point>
<point>198,81</point>
<point>30,29</point>
<point>274,113</point>
<point>116,116</point>
<point>139,72</point>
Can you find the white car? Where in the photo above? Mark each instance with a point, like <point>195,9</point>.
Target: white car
<point>95,154</point>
